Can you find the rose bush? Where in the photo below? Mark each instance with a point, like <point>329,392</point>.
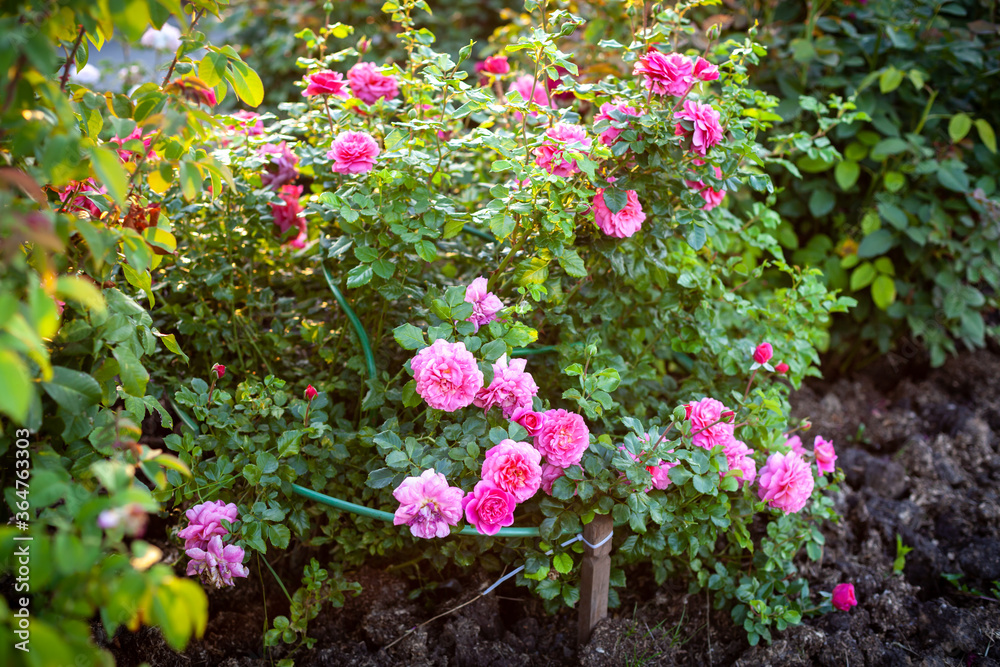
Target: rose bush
<point>491,316</point>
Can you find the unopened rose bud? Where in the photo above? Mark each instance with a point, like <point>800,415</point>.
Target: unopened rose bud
<point>311,393</point>
<point>806,425</point>
<point>763,353</point>
<point>781,368</point>
<point>219,370</point>
<point>363,45</point>
<point>843,597</point>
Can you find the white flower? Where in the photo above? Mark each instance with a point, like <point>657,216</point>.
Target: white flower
<point>88,75</point>
<point>166,39</point>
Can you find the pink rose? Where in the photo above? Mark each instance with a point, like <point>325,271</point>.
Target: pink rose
<point>843,597</point>
<point>514,467</point>
<point>795,443</point>
<point>559,138</point>
<point>609,137</point>
<point>552,84</point>
<point>700,125</point>
<point>126,155</point>
<point>763,353</point>
<point>826,456</point>
<point>205,522</point>
<point>428,505</point>
<point>670,74</point>
<point>711,196</point>
<point>781,368</point>
<point>74,190</point>
<point>283,162</point>
<point>739,457</point>
<point>704,70</point>
<point>512,387</point>
<point>216,564</point>
<point>353,153</point>
<point>286,216</point>
<point>785,482</point>
<point>706,427</point>
<point>369,84</point>
<point>659,469</point>
<point>311,393</point>
<point>563,438</point>
<point>326,83</point>
<point>489,508</point>
<point>496,65</point>
<point>485,305</point>
<point>625,222</point>
<point>550,474</point>
<point>531,421</point>
<point>524,85</point>
<point>447,375</point>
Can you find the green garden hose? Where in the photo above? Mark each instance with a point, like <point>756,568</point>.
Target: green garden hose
<point>359,329</point>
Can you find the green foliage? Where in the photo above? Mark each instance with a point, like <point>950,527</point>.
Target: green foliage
<point>903,214</point>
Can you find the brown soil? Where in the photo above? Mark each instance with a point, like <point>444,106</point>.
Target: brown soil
<point>921,454</point>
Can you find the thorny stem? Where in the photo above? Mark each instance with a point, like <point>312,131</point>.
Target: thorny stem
<point>530,101</point>
<point>70,59</point>
<point>326,107</point>
<point>173,63</point>
<point>752,376</point>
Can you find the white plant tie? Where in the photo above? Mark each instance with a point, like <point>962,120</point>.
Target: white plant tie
<point>576,538</point>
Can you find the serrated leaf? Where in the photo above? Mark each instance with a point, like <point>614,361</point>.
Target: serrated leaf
<point>409,337</point>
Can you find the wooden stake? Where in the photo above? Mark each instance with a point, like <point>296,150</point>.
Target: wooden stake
<point>595,576</point>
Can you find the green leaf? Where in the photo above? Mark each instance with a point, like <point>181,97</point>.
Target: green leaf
<point>279,535</point>
<point>563,563</point>
<point>959,126</point>
<point>15,386</point>
<point>863,276</point>
<point>245,82</point>
<point>572,263</point>
<point>383,268</point>
<point>110,173</point>
<point>359,275</point>
<point>883,292</point>
<point>846,174</point>
<point>170,342</point>
<point>533,271</point>
<point>288,443</point>
<point>409,337</point>
<point>886,147</point>
<point>133,376</point>
<point>821,202</point>
<point>890,79</point>
<point>212,68</point>
<point>877,243</point>
<point>72,390</point>
<point>380,478</point>
<point>615,199</point>
<point>986,135</point>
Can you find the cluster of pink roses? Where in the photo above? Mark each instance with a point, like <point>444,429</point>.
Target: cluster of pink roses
<point>511,474</point>
<point>217,564</point>
<point>365,81</point>
<point>448,378</point>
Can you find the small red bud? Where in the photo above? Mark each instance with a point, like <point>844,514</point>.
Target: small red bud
<point>219,370</point>
<point>781,368</point>
<point>311,393</point>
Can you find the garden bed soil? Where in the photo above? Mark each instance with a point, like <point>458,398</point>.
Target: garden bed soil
<point>921,452</point>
